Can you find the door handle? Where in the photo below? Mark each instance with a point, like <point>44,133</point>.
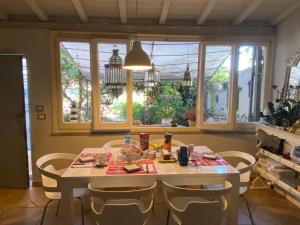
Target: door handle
<point>19,116</point>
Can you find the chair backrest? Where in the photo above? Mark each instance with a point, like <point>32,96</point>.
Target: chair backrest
<point>50,176</point>
<point>117,144</point>
<point>123,206</point>
<point>205,206</point>
<point>244,163</point>
<point>175,142</point>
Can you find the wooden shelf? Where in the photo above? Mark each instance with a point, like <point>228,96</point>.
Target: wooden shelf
<point>291,138</point>
<point>288,163</point>
<point>287,188</point>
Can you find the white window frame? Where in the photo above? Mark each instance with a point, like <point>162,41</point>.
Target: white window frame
<point>58,119</point>
<point>96,126</point>
<point>230,125</point>
<point>268,79</point>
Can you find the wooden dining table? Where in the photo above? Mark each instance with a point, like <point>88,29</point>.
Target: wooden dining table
<point>170,172</point>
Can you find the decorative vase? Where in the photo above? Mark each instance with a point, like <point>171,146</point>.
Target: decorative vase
<point>218,87</point>
<point>166,122</point>
<point>192,123</point>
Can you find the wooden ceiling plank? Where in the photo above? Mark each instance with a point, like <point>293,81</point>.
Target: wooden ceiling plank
<point>3,16</point>
<point>164,12</point>
<point>123,13</point>
<point>285,13</point>
<point>37,10</point>
<point>80,11</point>
<point>208,8</point>
<point>247,12</point>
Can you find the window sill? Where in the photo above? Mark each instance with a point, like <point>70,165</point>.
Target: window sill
<point>240,129</point>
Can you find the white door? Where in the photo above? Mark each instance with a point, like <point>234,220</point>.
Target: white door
<point>13,155</point>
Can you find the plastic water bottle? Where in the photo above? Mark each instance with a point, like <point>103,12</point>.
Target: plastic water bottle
<point>127,138</point>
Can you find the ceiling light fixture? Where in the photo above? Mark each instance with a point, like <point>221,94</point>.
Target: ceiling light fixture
<point>137,59</point>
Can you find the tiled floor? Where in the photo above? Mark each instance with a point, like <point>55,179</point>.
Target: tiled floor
<point>26,206</point>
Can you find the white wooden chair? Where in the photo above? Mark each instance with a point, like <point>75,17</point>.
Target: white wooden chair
<point>175,142</point>
<point>244,163</point>
<point>51,180</point>
<point>116,144</point>
<point>196,206</point>
<point>121,207</point>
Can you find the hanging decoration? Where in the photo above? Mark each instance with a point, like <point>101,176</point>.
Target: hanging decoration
<point>187,79</point>
<point>152,77</point>
<point>115,78</point>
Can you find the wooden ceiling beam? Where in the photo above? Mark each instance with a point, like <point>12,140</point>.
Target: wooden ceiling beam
<point>80,11</point>
<point>285,13</point>
<point>37,10</point>
<point>3,16</point>
<point>247,12</point>
<point>208,8</point>
<point>123,13</point>
<point>164,12</point>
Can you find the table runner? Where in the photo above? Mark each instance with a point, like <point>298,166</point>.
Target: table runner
<point>78,164</point>
<point>117,168</point>
<point>208,162</point>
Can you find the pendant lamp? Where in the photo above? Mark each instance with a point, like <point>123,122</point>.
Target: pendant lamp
<point>137,59</point>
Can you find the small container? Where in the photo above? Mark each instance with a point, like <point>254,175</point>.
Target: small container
<point>191,149</point>
<point>168,142</point>
<point>144,141</point>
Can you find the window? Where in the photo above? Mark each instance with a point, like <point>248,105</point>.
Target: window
<point>75,80</point>
<point>251,78</point>
<point>112,83</point>
<point>166,95</point>
<point>217,86</point>
<point>193,85</point>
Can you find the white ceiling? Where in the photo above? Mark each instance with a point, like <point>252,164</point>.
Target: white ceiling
<point>161,11</point>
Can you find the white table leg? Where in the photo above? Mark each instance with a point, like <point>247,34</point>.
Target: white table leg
<point>233,206</point>
<point>66,204</point>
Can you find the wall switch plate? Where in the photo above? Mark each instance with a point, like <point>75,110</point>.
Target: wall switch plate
<point>41,116</point>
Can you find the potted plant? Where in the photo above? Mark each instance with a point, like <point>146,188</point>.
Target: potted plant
<point>191,116</point>
<point>167,112</point>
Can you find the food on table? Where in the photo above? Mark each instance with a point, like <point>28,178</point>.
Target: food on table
<point>151,154</point>
<point>85,159</point>
<point>210,156</point>
<point>132,167</point>
<point>130,148</point>
<point>156,147</point>
<point>168,141</point>
<point>166,154</point>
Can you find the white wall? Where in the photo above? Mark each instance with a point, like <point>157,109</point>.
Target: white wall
<point>35,44</point>
<point>287,42</point>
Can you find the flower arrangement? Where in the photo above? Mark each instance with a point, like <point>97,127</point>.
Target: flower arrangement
<point>167,111</point>
<point>283,114</point>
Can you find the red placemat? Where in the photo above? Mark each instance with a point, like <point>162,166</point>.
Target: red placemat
<point>209,162</point>
<point>78,164</point>
<point>117,168</point>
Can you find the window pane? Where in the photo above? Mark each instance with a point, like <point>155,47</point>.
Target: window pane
<point>251,74</point>
<point>162,96</point>
<point>216,86</point>
<point>75,81</point>
<point>113,91</point>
